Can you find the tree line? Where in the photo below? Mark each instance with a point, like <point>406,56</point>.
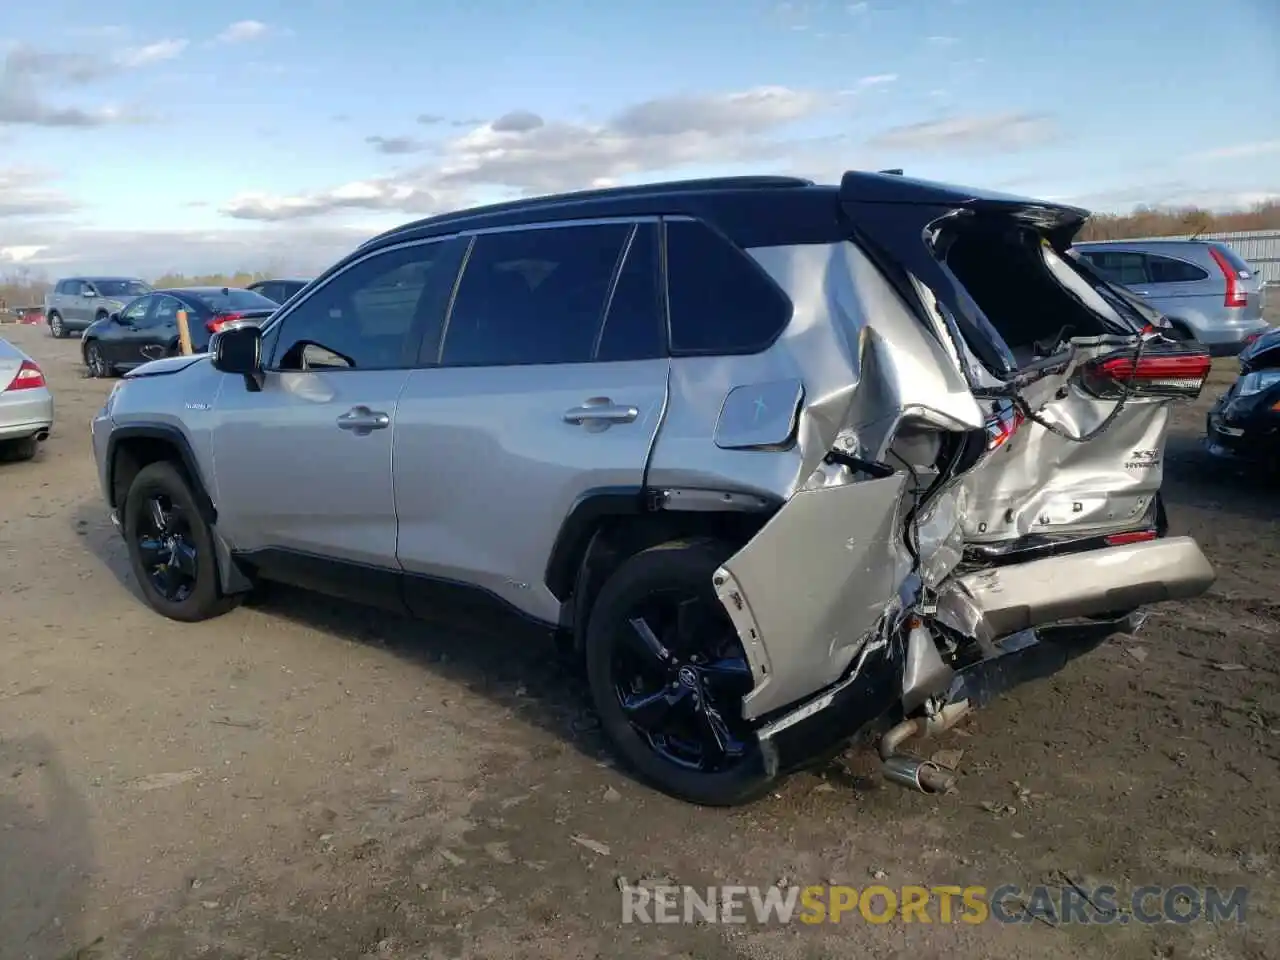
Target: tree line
<point>23,286</point>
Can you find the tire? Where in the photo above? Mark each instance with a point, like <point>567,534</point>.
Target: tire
<point>94,362</point>
<point>57,329</point>
<point>203,598</point>
<point>14,451</point>
<point>675,569</point>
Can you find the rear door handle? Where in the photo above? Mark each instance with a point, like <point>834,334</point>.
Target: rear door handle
<point>362,421</point>
<point>600,410</point>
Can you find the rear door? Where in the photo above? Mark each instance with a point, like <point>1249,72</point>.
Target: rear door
<point>547,386</point>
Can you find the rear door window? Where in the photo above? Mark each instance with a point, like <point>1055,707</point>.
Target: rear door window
<point>634,321</point>
<point>721,301</point>
<point>534,296</point>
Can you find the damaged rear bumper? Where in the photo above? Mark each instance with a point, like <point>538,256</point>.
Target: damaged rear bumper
<point>870,698</point>
<point>1003,600</point>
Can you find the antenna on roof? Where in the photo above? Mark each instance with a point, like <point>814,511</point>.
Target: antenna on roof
<point>896,172</point>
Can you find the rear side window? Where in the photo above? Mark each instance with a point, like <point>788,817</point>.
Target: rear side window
<point>534,296</point>
<point>1168,270</point>
<point>720,300</point>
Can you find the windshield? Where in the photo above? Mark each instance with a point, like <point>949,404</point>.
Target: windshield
<point>229,301</point>
<point>122,288</point>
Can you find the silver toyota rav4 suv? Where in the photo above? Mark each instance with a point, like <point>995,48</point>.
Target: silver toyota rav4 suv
<point>785,462</point>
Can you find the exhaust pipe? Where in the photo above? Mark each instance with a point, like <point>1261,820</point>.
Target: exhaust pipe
<point>922,775</point>
<point>42,436</point>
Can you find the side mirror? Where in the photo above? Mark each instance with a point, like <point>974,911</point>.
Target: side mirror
<point>239,350</point>
<point>88,292</point>
<point>115,317</point>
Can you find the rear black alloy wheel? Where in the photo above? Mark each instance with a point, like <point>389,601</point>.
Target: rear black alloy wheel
<point>668,675</point>
<point>171,546</point>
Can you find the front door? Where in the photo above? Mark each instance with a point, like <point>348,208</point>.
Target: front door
<point>549,386</point>
<point>303,467</point>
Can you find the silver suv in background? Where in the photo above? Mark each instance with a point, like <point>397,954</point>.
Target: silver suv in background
<point>76,302</point>
<point>1203,287</point>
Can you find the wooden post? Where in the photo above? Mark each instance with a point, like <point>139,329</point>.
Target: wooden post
<point>184,333</point>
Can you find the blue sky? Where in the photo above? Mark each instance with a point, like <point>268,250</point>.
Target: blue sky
<point>148,136</point>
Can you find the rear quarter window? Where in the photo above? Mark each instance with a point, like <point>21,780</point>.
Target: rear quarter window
<point>1169,270</point>
<point>720,300</point>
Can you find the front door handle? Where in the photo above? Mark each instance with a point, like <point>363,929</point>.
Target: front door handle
<point>600,410</point>
<point>362,421</point>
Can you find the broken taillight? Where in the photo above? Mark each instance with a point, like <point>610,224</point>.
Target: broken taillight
<point>1001,427</point>
<point>1155,374</point>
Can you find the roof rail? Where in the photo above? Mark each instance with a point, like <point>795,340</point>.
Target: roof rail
<point>750,182</point>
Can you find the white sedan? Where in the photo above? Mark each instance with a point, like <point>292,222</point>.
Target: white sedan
<point>26,405</point>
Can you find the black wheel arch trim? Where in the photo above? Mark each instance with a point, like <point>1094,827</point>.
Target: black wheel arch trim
<point>579,528</point>
<point>231,578</point>
<point>174,437</point>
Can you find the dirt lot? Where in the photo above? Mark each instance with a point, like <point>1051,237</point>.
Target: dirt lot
<point>305,779</point>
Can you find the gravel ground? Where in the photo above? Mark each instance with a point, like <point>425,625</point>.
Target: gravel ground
<point>303,778</point>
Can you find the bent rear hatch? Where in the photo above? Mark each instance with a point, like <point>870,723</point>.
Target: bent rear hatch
<point>1078,384</point>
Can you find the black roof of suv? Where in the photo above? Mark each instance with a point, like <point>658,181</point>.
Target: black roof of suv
<point>751,211</point>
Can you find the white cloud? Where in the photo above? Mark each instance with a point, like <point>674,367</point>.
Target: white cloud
<point>28,78</point>
<point>25,192</point>
<point>151,53</point>
<point>1238,151</point>
<point>1004,131</point>
<point>19,254</point>
<point>524,153</point>
<point>243,31</point>
<point>877,80</point>
<point>51,248</point>
<point>860,7</point>
<point>941,41</point>
<point>397,145</point>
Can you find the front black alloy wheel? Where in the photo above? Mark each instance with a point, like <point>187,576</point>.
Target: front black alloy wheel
<point>167,548</point>
<point>56,327</point>
<point>668,675</point>
<point>171,546</point>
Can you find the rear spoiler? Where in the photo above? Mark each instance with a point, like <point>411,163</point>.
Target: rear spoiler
<point>1059,222</point>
